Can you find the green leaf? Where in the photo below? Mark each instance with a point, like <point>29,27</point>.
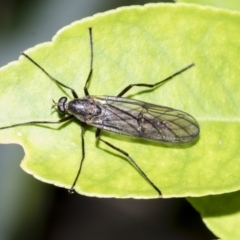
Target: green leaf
<point>220,213</point>
<point>228,4</point>
<point>133,45</point>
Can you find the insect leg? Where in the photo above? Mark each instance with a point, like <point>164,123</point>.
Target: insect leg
<point>91,64</point>
<point>71,190</point>
<point>98,132</point>
<point>126,89</point>
<point>51,77</point>
<point>39,122</point>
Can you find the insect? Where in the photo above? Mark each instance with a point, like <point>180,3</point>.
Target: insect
<point>122,116</point>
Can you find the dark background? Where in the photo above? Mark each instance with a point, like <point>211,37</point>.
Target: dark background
<point>30,209</point>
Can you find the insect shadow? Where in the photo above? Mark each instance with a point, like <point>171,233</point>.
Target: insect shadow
<point>147,142</point>
<point>121,115</point>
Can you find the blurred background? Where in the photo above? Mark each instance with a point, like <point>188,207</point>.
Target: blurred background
<point>30,209</point>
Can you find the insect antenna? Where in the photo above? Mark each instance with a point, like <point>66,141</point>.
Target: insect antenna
<point>54,104</point>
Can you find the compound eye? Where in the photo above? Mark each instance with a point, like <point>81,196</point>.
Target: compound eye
<point>61,105</point>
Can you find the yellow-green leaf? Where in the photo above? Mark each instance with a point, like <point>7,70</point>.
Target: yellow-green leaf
<point>221,213</point>
<point>227,4</point>
<point>140,44</point>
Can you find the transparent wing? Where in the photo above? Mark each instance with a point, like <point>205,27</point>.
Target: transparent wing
<point>144,120</point>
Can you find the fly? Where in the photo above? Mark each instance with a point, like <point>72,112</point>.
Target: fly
<point>123,116</point>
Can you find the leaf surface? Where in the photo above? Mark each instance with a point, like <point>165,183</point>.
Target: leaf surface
<point>139,44</point>
<point>227,4</point>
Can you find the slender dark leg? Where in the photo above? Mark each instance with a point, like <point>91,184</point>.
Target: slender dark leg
<point>51,77</point>
<point>61,84</point>
<point>91,64</point>
<point>98,133</point>
<point>39,122</point>
<point>71,190</point>
<point>126,89</point>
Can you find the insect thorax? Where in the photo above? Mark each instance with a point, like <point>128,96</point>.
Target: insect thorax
<point>83,108</point>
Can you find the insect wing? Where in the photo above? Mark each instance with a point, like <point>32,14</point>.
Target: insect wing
<point>145,120</point>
